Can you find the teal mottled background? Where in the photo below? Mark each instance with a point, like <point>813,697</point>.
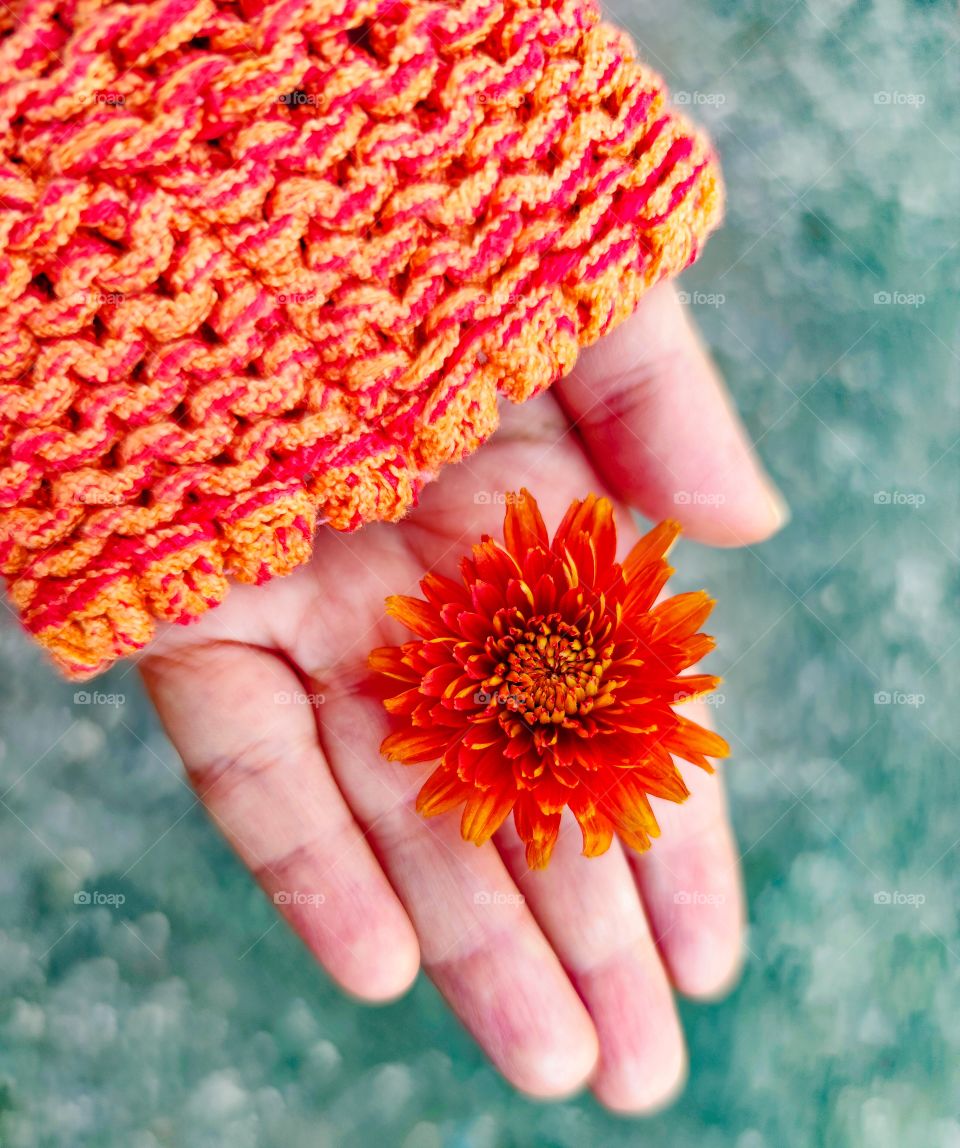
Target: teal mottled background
<point>187,1017</point>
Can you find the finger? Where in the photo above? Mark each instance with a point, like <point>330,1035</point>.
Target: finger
<point>590,912</point>
<point>658,423</point>
<point>249,745</point>
<point>479,942</point>
<point>691,886</point>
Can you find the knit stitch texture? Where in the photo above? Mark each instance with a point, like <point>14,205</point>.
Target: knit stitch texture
<point>269,266</point>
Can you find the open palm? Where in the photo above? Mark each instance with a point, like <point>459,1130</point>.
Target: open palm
<point>563,975</point>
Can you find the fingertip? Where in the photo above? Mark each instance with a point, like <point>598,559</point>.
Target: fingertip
<point>649,1093</point>
<point>736,515</point>
<point>386,981</point>
<point>381,963</point>
<point>643,1054</point>
<point>704,977</point>
<point>705,952</point>
<point>561,1073</point>
<point>526,1016</point>
<point>707,962</point>
<point>362,937</point>
<point>660,428</point>
<point>694,896</point>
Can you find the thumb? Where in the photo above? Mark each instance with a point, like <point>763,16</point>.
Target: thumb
<point>660,428</point>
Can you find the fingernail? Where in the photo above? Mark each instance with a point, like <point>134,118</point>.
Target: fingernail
<point>779,507</point>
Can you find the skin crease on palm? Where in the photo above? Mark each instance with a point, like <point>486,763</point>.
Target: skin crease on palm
<point>565,976</point>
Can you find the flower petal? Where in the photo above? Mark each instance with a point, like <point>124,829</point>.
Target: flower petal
<point>443,680</point>
<point>483,768</point>
<point>415,614</point>
<point>693,650</point>
<point>551,795</point>
<point>485,812</point>
<point>658,775</point>
<point>656,543</point>
<point>581,556</point>
<point>639,840</point>
<point>494,564</point>
<point>545,594</point>
<point>593,517</point>
<point>694,743</point>
<point>487,599</point>
<point>523,526</point>
<point>404,703</point>
<point>692,686</point>
<point>442,591</point>
<point>483,732</point>
<point>537,830</point>
<point>520,596</point>
<point>411,746</point>
<point>473,627</point>
<point>389,660</point>
<point>597,829</point>
<point>628,807</point>
<point>681,616</point>
<point>644,586</point>
<point>441,792</point>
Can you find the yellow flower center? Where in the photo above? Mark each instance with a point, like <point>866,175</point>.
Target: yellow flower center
<point>549,672</point>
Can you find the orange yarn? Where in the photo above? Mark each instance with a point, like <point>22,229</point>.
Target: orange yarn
<point>266,266</point>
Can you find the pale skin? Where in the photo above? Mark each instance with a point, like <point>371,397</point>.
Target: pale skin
<point>566,977</point>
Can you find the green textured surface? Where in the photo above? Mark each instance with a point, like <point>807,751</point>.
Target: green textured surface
<point>183,1017</point>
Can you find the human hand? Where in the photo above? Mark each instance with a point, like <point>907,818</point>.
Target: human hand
<point>563,975</point>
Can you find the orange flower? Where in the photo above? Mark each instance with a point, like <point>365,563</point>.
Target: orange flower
<point>545,678</point>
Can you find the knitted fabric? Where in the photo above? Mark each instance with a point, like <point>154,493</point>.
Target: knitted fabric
<point>269,266</point>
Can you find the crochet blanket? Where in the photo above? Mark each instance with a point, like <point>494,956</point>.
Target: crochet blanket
<point>269,266</point>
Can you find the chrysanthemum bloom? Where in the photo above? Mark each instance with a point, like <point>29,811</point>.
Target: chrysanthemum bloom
<point>546,678</point>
